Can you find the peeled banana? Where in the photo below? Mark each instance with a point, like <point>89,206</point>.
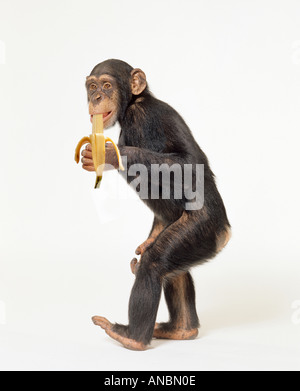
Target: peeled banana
<point>97,140</point>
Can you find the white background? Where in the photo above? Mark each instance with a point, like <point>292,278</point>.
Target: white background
<point>232,69</point>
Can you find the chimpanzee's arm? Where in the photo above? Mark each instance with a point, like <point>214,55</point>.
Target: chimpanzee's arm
<point>159,175</point>
<point>147,157</point>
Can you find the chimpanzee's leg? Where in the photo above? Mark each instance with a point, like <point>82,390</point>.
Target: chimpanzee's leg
<point>180,246</point>
<point>143,306</point>
<point>180,298</point>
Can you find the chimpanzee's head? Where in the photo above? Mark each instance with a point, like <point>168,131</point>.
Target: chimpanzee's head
<point>110,88</point>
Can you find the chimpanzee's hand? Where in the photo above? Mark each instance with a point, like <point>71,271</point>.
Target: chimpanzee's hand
<point>110,157</point>
<point>87,160</point>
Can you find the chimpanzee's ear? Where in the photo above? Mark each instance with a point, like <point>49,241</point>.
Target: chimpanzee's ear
<point>138,81</point>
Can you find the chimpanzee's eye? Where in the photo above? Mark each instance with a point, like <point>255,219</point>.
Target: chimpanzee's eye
<point>93,87</point>
<point>107,86</point>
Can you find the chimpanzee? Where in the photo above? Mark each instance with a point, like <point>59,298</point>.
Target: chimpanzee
<point>154,134</point>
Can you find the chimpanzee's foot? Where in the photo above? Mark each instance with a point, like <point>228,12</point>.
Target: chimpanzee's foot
<point>119,334</point>
<point>167,331</point>
<point>144,246</point>
<point>134,265</point>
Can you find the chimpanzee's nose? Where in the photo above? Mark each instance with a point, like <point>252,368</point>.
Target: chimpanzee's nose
<point>98,98</point>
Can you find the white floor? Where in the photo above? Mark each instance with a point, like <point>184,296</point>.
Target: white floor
<point>48,326</point>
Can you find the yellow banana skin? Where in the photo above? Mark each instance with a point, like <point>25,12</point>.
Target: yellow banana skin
<point>108,140</point>
<point>97,141</point>
<point>82,142</point>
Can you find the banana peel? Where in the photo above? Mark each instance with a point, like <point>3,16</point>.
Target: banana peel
<point>98,141</point>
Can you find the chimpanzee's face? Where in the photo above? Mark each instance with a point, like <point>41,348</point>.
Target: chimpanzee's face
<point>103,98</point>
<point>110,87</point>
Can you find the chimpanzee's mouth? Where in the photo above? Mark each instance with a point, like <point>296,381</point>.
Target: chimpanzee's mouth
<point>106,116</point>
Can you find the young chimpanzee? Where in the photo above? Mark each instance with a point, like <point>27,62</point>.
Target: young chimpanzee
<point>154,135</point>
